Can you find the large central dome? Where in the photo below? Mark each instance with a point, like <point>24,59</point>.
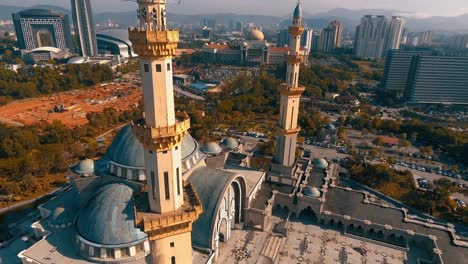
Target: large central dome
<point>255,34</point>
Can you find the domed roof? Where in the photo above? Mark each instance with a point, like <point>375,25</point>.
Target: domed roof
<point>311,191</point>
<point>256,34</point>
<point>211,148</point>
<point>108,218</point>
<point>298,11</point>
<point>321,164</point>
<point>128,151</point>
<point>85,167</point>
<point>230,143</point>
<point>60,216</point>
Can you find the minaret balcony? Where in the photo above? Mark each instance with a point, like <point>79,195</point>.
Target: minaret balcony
<point>154,43</point>
<point>292,91</point>
<point>296,30</point>
<point>295,59</point>
<point>162,138</point>
<point>157,225</point>
<point>292,131</point>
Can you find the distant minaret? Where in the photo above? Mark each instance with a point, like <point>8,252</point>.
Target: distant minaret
<point>168,220</point>
<point>290,96</point>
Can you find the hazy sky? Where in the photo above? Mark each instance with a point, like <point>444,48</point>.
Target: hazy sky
<point>277,7</point>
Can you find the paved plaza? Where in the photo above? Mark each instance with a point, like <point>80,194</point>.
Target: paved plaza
<point>308,244</point>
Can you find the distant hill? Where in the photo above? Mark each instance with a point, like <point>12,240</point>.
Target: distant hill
<point>350,18</point>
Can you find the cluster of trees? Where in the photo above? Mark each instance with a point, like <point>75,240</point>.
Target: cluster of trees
<point>455,142</point>
<point>32,152</point>
<point>434,201</point>
<point>36,81</point>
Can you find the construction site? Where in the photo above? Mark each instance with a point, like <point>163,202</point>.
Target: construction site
<point>71,107</point>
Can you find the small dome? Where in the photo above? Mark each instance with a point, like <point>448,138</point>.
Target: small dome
<point>320,164</point>
<point>230,143</point>
<point>298,11</point>
<point>256,34</point>
<point>331,127</point>
<point>108,218</point>
<point>211,148</point>
<point>60,217</point>
<point>245,44</point>
<point>85,167</point>
<point>311,191</point>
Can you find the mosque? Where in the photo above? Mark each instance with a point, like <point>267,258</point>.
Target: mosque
<point>157,196</point>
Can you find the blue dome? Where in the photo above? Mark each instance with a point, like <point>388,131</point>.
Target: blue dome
<point>298,11</point>
<point>128,151</point>
<point>108,218</point>
<point>312,192</point>
<point>230,143</point>
<point>211,148</point>
<point>85,166</point>
<point>320,164</point>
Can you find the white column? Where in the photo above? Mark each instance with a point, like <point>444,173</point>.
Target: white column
<point>117,253</point>
<point>132,251</point>
<point>103,253</point>
<point>146,246</point>
<point>91,251</point>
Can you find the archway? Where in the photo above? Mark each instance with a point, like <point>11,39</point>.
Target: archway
<point>238,216</point>
<point>223,231</point>
<point>308,215</point>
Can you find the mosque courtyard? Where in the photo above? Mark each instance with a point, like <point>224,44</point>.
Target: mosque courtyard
<point>306,243</point>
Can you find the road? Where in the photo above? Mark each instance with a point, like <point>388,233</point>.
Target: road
<point>188,94</point>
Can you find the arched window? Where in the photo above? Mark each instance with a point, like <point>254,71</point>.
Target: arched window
<point>173,260</point>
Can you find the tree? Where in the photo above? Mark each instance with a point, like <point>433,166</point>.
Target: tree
<point>377,141</point>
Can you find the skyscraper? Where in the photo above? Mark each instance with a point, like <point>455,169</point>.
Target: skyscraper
<point>84,27</point>
<point>37,28</point>
<point>288,129</point>
<point>337,27</point>
<point>306,38</point>
<point>376,35</point>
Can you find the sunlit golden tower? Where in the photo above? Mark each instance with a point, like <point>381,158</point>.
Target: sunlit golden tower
<point>170,206</point>
<point>290,97</point>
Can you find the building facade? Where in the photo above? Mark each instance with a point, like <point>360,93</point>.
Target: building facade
<point>84,27</point>
<point>397,66</point>
<point>36,28</point>
<point>438,80</point>
<point>377,34</point>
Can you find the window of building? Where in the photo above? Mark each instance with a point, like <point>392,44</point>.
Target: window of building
<point>178,181</point>
<point>158,68</point>
<point>172,244</point>
<point>173,260</point>
<point>168,67</point>
<point>165,152</point>
<point>166,185</point>
<point>292,117</point>
<point>153,184</point>
<point>146,67</point>
<point>135,174</point>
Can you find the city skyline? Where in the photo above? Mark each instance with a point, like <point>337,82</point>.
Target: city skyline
<point>417,8</point>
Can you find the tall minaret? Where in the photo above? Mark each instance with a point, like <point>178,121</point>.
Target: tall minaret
<point>168,218</point>
<point>290,97</point>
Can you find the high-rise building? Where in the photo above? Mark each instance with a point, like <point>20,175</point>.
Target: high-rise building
<point>393,36</point>
<point>161,134</point>
<point>84,27</point>
<point>37,28</point>
<point>376,35</point>
<point>317,40</point>
<point>207,33</point>
<point>337,27</point>
<point>397,66</point>
<point>240,26</point>
<point>438,80</point>
<point>306,39</point>
<point>291,91</point>
<point>458,42</point>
